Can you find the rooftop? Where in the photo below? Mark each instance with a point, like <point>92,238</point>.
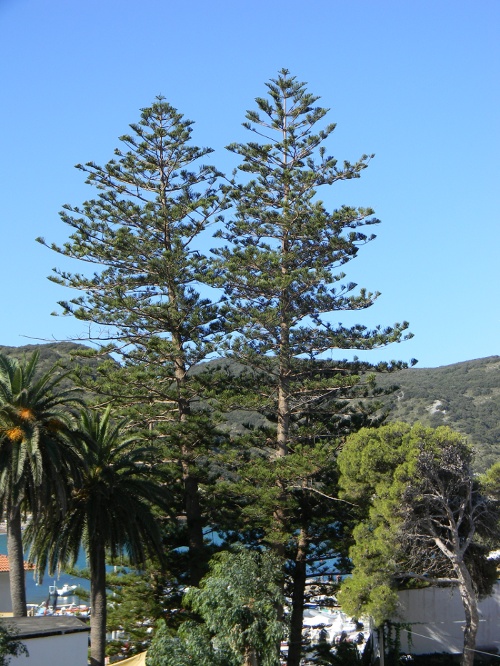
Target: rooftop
<point>34,627</point>
<point>4,564</point>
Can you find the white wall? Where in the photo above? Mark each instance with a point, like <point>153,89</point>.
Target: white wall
<point>59,650</point>
<point>437,618</point>
<point>5,601</point>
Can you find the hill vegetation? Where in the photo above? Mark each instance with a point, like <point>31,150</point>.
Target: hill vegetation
<point>52,353</point>
<point>464,396</point>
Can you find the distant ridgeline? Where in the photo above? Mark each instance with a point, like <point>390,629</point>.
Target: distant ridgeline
<point>50,354</point>
<point>464,396</point>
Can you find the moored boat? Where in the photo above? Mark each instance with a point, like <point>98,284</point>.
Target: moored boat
<point>64,591</point>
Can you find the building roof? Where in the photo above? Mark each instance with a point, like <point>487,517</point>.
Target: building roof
<point>4,564</point>
<point>37,627</point>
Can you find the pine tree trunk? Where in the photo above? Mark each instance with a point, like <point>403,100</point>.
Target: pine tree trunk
<point>195,529</point>
<point>283,430</point>
<point>299,586</point>
<point>97,563</point>
<point>250,658</point>
<point>16,561</point>
<point>283,437</point>
<point>469,601</point>
<point>194,517</point>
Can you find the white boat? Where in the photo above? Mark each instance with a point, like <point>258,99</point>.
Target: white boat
<point>63,591</point>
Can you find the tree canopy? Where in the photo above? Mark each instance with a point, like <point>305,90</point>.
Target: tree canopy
<point>270,296</point>
<point>237,603</point>
<point>38,453</point>
<point>110,512</point>
<point>282,271</point>
<point>421,514</point>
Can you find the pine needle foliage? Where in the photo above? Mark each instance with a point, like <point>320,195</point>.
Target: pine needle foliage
<point>282,270</point>
<point>281,265</point>
<point>142,233</point>
<point>143,306</point>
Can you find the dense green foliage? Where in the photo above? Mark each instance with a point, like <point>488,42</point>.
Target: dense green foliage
<point>192,646</point>
<point>237,604</point>
<point>421,514</point>
<point>238,601</point>
<point>136,598</point>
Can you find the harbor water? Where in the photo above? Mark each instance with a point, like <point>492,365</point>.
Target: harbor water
<point>36,594</point>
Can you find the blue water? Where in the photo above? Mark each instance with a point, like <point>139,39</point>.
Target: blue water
<point>35,593</point>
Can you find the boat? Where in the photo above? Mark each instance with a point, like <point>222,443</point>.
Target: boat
<point>64,591</point>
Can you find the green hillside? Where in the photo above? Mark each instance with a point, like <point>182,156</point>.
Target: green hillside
<point>465,396</point>
<point>50,354</point>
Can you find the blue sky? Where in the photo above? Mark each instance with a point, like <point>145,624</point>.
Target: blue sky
<point>415,82</point>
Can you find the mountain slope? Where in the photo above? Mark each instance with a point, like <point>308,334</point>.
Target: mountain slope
<point>464,396</point>
<point>50,354</point>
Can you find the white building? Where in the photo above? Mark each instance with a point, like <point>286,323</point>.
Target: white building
<point>50,640</point>
<point>432,619</point>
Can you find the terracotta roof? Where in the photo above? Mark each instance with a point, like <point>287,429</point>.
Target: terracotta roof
<point>4,564</point>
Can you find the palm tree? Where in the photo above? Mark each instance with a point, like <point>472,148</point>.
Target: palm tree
<point>37,453</point>
<point>110,512</point>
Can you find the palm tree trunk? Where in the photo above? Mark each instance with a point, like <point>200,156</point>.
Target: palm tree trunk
<point>97,564</point>
<point>16,561</point>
